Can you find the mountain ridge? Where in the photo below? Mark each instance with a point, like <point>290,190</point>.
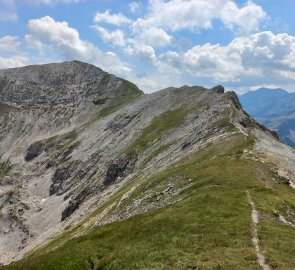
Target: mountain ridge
<point>147,172</point>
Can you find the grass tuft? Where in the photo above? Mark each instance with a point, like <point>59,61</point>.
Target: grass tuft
<point>157,129</point>
<point>5,168</point>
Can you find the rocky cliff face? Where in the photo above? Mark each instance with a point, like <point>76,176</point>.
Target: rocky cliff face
<point>75,139</point>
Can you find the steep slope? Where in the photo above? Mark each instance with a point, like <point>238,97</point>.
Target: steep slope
<point>50,99</point>
<point>275,108</point>
<point>48,105</point>
<point>167,180</point>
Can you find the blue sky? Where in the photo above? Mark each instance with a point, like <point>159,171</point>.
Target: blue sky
<point>240,44</point>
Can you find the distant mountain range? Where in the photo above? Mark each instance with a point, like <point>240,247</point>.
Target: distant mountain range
<point>275,108</point>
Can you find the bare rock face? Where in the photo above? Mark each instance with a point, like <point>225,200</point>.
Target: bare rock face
<point>59,177</point>
<point>218,89</point>
<point>72,136</point>
<point>70,209</point>
<point>117,169</point>
<point>33,151</point>
<point>52,83</point>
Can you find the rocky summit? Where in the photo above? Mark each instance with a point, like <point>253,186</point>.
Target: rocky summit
<point>95,174</point>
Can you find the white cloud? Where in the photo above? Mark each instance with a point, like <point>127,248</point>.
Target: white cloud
<point>266,50</point>
<point>58,37</point>
<point>146,37</point>
<point>175,15</point>
<point>10,55</point>
<point>262,58</point>
<point>111,54</point>
<point>66,39</point>
<point>171,58</point>
<point>153,36</point>
<point>165,18</point>
<point>134,6</point>
<point>144,53</point>
<point>9,43</point>
<point>114,19</point>
<point>115,37</point>
<point>246,19</point>
<point>213,61</point>
<point>15,61</point>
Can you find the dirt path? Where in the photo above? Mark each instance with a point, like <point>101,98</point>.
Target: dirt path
<point>255,219</point>
<point>237,126</point>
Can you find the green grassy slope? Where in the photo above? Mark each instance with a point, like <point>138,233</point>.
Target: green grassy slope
<point>157,129</point>
<point>130,93</point>
<point>209,228</point>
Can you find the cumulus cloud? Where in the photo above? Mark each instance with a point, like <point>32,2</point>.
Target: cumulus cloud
<point>134,6</point>
<point>9,43</point>
<point>114,19</point>
<point>47,34</point>
<point>66,39</point>
<point>262,58</point>
<point>246,19</point>
<point>10,55</point>
<point>247,62</point>
<point>115,37</point>
<point>164,19</point>
<point>14,61</point>
<point>153,36</point>
<point>212,61</point>
<point>144,53</point>
<point>196,15</point>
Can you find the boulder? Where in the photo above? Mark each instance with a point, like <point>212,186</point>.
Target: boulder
<point>60,175</point>
<point>218,89</point>
<point>117,169</point>
<point>34,151</point>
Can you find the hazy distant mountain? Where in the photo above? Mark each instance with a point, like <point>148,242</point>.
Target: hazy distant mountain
<point>275,108</point>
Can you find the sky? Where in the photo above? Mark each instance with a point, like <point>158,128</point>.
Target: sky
<point>240,44</point>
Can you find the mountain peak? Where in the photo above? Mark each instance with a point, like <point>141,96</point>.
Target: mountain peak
<point>70,81</point>
<point>266,92</point>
